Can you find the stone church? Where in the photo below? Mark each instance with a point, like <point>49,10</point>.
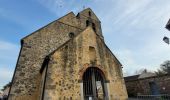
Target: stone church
<point>68,60</point>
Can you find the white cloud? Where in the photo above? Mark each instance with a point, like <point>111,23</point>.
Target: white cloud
<point>8,51</point>
<point>149,56</point>
<point>127,59</point>
<point>59,7</point>
<point>5,75</point>
<point>131,64</point>
<point>7,45</point>
<point>133,28</point>
<point>8,57</point>
<point>133,14</point>
<point>135,33</point>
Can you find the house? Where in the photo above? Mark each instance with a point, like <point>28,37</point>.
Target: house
<point>4,93</point>
<point>147,84</point>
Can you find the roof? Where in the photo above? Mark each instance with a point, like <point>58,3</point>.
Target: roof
<point>59,19</point>
<point>143,76</point>
<point>50,54</point>
<point>131,78</point>
<point>85,11</point>
<point>47,25</point>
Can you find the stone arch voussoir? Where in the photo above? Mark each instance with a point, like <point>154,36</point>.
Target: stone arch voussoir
<point>86,66</point>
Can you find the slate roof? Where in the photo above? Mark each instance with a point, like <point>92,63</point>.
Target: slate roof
<point>131,78</point>
<point>145,75</point>
<point>141,76</point>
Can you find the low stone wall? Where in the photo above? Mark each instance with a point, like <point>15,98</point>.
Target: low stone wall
<point>141,86</point>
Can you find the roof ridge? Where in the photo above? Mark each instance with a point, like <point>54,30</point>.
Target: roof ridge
<point>57,20</point>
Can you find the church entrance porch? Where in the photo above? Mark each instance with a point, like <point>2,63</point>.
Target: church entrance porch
<point>94,86</point>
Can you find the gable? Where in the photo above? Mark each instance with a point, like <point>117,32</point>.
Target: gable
<point>83,48</point>
<point>90,39</point>
<point>69,19</point>
<point>89,13</point>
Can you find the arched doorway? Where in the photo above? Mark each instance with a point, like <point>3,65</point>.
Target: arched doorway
<point>94,86</point>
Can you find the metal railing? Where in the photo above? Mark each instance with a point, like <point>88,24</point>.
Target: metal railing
<point>153,97</point>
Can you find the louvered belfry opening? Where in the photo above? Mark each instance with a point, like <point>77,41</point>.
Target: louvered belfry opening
<point>93,84</point>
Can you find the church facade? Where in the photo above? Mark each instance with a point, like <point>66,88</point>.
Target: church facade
<point>68,60</point>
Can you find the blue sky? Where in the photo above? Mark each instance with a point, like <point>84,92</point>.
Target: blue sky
<point>133,29</point>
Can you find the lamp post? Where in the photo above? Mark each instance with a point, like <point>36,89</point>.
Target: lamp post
<point>168,25</point>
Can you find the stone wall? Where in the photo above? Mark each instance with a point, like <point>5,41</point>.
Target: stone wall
<point>69,62</point>
<point>34,49</point>
<point>141,86</point>
<point>84,16</point>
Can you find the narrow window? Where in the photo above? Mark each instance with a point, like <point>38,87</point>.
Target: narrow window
<point>92,54</point>
<point>87,23</point>
<point>89,14</point>
<point>78,15</point>
<point>94,27</point>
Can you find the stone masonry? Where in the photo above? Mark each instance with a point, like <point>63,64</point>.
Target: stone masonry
<point>53,59</point>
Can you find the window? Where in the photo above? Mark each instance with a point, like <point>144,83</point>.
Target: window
<point>94,27</point>
<point>94,84</point>
<point>92,55</point>
<point>71,34</point>
<point>78,15</point>
<point>89,14</point>
<point>87,23</point>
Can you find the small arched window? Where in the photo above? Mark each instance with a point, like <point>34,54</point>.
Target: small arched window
<point>87,23</point>
<point>78,15</point>
<point>71,34</point>
<point>94,27</point>
<point>89,14</point>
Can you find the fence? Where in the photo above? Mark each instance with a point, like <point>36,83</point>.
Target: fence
<point>153,97</point>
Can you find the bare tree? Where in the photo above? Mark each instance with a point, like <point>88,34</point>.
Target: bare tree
<point>140,71</point>
<point>164,68</point>
<point>5,86</point>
